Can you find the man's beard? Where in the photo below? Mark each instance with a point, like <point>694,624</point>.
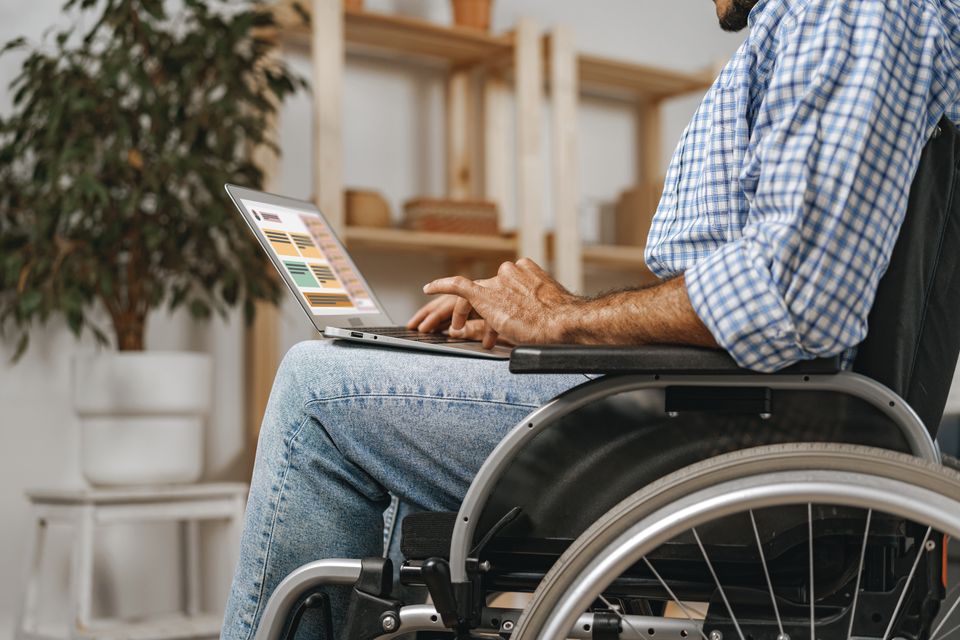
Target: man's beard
<point>735,18</point>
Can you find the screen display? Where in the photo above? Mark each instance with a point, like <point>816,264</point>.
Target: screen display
<point>314,260</point>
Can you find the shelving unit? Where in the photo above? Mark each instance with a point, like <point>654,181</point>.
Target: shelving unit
<point>475,61</point>
<point>487,63</point>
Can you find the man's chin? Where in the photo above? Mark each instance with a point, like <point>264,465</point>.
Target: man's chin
<point>736,16</point>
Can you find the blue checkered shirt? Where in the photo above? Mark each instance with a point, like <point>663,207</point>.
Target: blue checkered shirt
<point>785,196</point>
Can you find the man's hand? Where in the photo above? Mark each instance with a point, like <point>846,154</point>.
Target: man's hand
<point>433,316</point>
<point>522,304</point>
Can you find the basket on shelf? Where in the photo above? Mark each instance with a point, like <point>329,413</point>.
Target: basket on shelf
<point>473,14</point>
<point>477,217</point>
<point>366,208</point>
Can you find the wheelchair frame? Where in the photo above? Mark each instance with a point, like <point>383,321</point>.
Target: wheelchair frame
<point>414,618</point>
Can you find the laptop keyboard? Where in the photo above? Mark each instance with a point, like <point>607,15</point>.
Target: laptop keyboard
<point>416,336</point>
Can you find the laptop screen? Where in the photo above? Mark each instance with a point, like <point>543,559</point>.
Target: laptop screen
<point>316,263</point>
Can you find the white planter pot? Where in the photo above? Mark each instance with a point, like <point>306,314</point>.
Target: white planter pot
<point>142,415</point>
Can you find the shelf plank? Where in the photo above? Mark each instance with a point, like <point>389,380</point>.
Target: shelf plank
<point>610,256</point>
<point>457,244</point>
<point>367,30</point>
<point>616,78</point>
<point>167,627</point>
<point>396,35</point>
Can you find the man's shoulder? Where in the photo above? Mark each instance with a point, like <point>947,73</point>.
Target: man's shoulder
<point>772,13</point>
<point>823,24</point>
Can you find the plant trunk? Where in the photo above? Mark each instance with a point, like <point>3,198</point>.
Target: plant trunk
<point>130,330</point>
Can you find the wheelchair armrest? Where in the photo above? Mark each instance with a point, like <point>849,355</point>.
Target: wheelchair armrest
<point>655,359</point>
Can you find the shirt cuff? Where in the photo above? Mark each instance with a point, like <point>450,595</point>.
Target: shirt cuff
<point>741,306</point>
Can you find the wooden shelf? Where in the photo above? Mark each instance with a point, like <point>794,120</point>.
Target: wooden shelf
<point>458,244</point>
<point>610,256</point>
<point>366,31</point>
<point>167,627</point>
<point>618,79</point>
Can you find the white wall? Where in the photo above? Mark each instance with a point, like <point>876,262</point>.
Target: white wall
<point>392,143</point>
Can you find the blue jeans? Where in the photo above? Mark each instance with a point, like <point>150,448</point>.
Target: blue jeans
<point>348,425</point>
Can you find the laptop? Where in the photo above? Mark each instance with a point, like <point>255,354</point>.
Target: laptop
<point>331,290</point>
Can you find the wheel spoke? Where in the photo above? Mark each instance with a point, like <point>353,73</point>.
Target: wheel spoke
<point>945,618</point>
<point>856,590</point>
<point>716,581</point>
<point>948,634</point>
<point>672,595</point>
<point>906,585</point>
<point>766,573</point>
<point>813,631</point>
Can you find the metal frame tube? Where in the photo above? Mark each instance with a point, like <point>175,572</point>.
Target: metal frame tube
<point>300,582</point>
<point>424,617</point>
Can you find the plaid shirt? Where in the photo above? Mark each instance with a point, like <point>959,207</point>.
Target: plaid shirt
<point>785,196</point>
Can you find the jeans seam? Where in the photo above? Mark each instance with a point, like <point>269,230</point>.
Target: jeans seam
<point>273,524</point>
<point>416,396</point>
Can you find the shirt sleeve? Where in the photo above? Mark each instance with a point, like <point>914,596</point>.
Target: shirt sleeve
<point>836,140</point>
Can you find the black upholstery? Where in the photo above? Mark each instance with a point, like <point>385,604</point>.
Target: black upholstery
<point>914,337</point>
<point>662,359</point>
<point>575,471</point>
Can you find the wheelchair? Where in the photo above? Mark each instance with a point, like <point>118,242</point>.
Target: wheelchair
<point>675,495</point>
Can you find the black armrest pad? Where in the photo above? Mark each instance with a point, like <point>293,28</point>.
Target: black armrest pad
<point>651,359</point>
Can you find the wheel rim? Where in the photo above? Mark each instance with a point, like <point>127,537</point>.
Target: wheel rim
<point>848,489</point>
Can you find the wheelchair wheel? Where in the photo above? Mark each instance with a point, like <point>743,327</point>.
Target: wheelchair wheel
<point>885,517</point>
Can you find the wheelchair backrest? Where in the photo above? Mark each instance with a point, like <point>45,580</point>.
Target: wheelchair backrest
<point>914,325</point>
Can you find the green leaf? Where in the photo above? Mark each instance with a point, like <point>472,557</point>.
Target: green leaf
<point>199,309</point>
<point>30,302</point>
<point>22,345</point>
<point>75,322</point>
<point>16,43</point>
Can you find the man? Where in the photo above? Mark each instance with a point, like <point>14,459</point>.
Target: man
<point>779,214</point>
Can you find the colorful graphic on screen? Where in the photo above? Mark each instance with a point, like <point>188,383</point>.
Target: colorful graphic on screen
<point>301,274</point>
<point>313,259</point>
<point>280,242</point>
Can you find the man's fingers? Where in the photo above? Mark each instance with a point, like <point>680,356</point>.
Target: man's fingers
<point>472,330</point>
<point>419,316</point>
<point>529,265</point>
<point>433,321</point>
<point>477,330</point>
<point>461,313</point>
<point>456,285</point>
<point>426,310</point>
<point>489,338</point>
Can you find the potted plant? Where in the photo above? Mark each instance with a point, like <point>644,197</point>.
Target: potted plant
<point>112,165</point>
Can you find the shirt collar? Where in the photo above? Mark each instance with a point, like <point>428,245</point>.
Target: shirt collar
<point>756,11</point>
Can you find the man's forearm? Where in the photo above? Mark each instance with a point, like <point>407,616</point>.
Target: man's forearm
<point>661,314</point>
